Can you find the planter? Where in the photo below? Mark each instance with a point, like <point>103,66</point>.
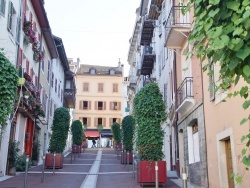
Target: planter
<point>85,144</point>
<point>124,158</point>
<point>76,149</point>
<point>146,172</point>
<point>118,146</point>
<point>49,160</point>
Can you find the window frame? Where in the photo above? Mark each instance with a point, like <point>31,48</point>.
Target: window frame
<point>115,87</point>
<point>2,7</point>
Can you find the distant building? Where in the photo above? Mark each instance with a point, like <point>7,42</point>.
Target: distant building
<point>99,99</point>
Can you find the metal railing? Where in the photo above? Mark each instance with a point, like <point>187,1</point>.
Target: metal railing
<point>185,90</point>
<point>177,19</point>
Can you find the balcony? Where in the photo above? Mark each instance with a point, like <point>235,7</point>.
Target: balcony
<point>155,9</point>
<point>148,59</point>
<point>132,82</point>
<point>185,98</point>
<point>69,98</point>
<point>177,28</point>
<point>147,31</point>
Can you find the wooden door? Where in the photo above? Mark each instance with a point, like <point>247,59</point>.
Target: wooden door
<point>229,163</point>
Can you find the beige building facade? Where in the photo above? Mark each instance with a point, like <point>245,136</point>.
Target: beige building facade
<point>98,98</point>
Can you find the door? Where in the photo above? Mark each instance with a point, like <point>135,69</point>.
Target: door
<point>229,163</point>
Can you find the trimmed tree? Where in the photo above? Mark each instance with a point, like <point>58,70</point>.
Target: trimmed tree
<point>116,130</point>
<point>60,128</point>
<point>128,132</point>
<point>149,112</point>
<point>77,132</point>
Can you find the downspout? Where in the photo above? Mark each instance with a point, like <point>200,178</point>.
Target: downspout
<point>176,117</point>
<point>202,86</point>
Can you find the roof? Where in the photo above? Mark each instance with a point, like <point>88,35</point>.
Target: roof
<point>100,70</point>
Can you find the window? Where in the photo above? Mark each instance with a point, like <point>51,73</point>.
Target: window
<point>115,105</point>
<point>51,108</point>
<point>85,105</point>
<point>44,101</point>
<point>59,89</point>
<point>61,95</point>
<point>100,105</point>
<point>85,121</point>
<point>211,82</point>
<point>52,80</point>
<point>115,87</point>
<point>114,120</point>
<point>85,86</point>
<point>111,72</point>
<point>2,7</point>
<point>99,121</point>
<point>100,87</point>
<point>48,71</point>
<point>12,19</point>
<point>55,85</point>
<point>92,71</point>
<point>18,27</point>
<point>193,143</point>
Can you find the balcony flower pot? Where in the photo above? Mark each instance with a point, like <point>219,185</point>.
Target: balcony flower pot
<point>146,172</point>
<point>149,141</point>
<point>60,128</point>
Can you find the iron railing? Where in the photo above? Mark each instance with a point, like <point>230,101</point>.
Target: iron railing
<point>185,91</point>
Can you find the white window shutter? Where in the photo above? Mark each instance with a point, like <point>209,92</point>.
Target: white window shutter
<point>18,27</point>
<point>10,14</point>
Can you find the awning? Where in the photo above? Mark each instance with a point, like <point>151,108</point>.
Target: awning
<point>91,134</point>
<point>106,133</point>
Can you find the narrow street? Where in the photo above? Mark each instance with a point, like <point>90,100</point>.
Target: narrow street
<point>98,167</point>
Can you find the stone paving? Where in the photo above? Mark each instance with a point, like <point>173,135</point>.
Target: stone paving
<point>94,168</point>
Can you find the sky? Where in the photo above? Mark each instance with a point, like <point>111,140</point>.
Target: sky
<point>96,31</point>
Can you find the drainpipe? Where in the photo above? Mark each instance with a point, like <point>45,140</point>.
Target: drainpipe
<point>176,116</point>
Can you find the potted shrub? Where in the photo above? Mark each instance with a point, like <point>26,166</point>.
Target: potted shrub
<point>127,139</point>
<point>149,113</point>
<point>60,128</point>
<point>77,136</point>
<point>21,163</point>
<point>35,152</point>
<point>12,156</point>
<point>116,130</point>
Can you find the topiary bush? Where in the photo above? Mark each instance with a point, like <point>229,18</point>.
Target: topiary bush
<point>77,132</point>
<point>149,112</point>
<point>116,130</point>
<point>128,124</point>
<point>60,128</point>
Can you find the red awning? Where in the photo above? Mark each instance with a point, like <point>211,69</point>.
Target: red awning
<point>91,134</point>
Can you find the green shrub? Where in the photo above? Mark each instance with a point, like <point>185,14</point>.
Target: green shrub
<point>77,132</point>
<point>21,163</point>
<point>116,130</point>
<point>60,128</point>
<point>149,113</point>
<point>128,132</point>
<point>13,152</point>
<point>35,150</point>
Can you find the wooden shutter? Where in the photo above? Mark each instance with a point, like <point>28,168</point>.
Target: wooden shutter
<point>119,106</point>
<point>30,17</point>
<point>95,105</point>
<point>95,122</point>
<point>36,81</point>
<point>80,105</point>
<point>89,105</point>
<point>20,57</point>
<point>27,66</point>
<point>104,122</point>
<point>104,105</point>
<point>110,105</point>
<point>88,122</point>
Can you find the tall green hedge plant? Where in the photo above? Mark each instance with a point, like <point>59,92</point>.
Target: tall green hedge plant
<point>128,124</point>
<point>149,113</point>
<point>60,128</point>
<point>116,130</point>
<point>77,132</point>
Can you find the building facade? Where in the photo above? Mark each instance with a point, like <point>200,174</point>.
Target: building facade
<point>99,99</point>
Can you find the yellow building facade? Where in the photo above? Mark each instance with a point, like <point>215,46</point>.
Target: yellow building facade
<point>98,98</point>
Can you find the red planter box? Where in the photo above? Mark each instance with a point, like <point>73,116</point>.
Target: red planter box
<point>146,172</point>
<point>76,149</point>
<point>124,157</point>
<point>49,160</point>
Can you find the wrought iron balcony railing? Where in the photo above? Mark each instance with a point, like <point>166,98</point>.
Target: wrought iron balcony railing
<point>185,91</point>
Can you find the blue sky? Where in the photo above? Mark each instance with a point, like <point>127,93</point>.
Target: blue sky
<point>96,31</point>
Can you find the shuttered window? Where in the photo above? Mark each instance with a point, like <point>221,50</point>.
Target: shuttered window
<point>85,86</point>
<point>100,87</point>
<point>115,87</point>
<point>10,16</point>
<point>2,7</point>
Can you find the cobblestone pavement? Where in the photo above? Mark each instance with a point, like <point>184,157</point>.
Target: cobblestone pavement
<point>94,168</point>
